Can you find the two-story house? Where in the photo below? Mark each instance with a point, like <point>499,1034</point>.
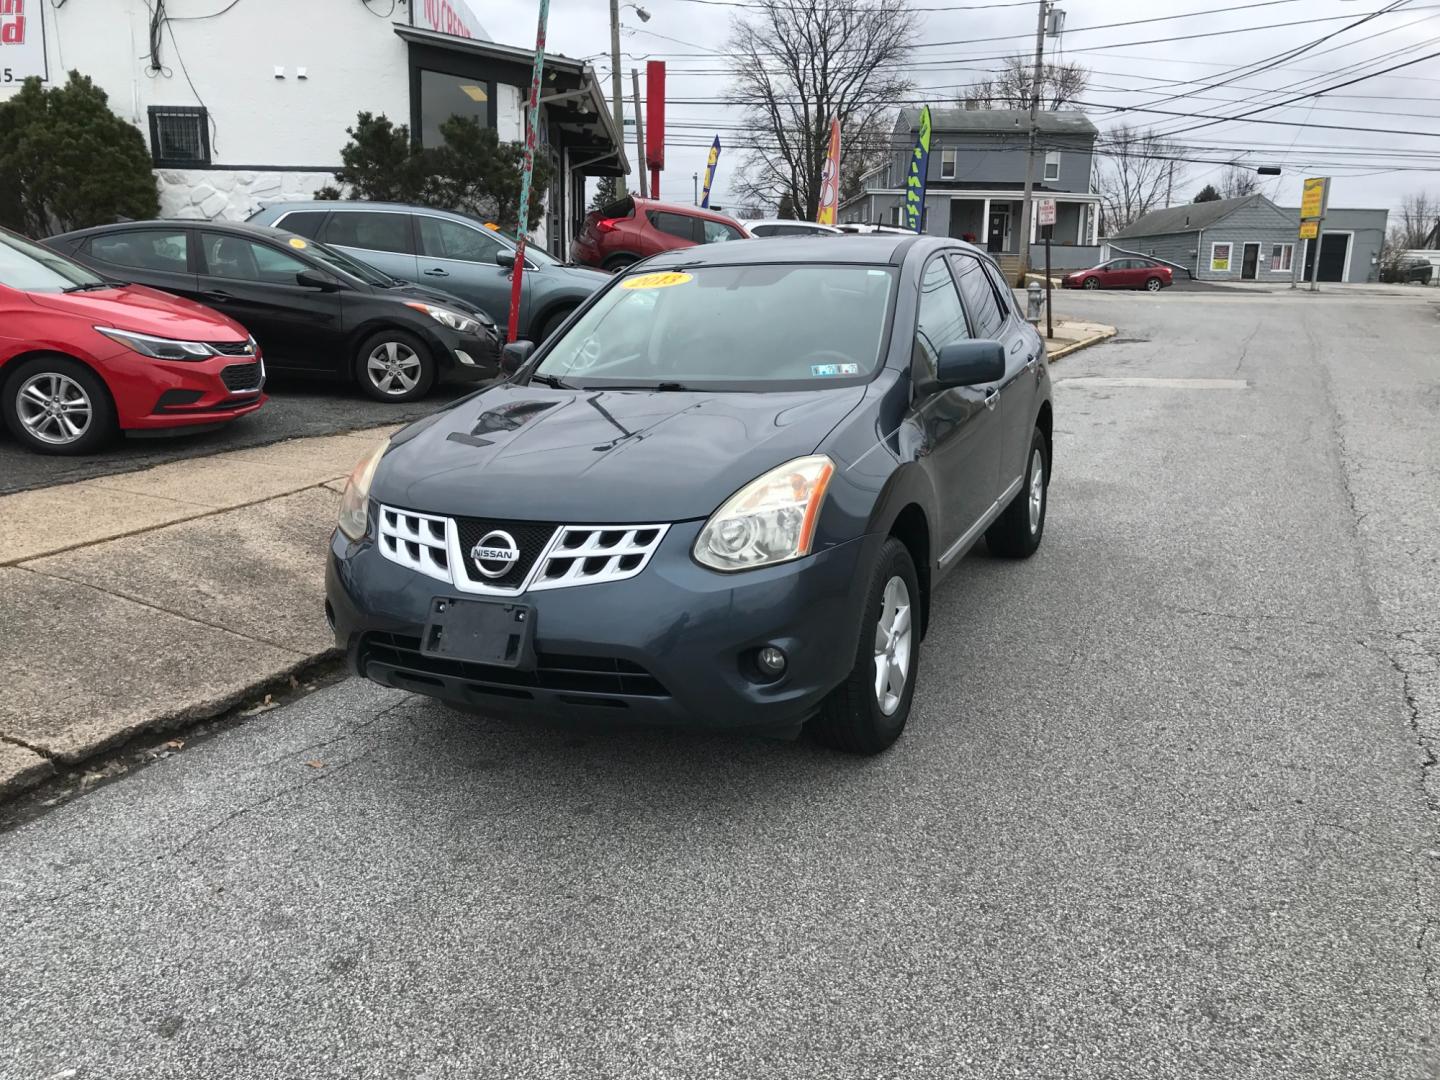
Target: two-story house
<point>976,178</point>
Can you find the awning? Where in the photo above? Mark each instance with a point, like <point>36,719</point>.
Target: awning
<point>576,111</point>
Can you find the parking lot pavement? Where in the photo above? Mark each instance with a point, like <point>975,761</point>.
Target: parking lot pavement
<point>1165,808</point>
<point>297,408</point>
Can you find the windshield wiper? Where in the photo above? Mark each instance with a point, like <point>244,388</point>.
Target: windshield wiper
<point>663,387</point>
<point>91,286</point>
<point>550,381</point>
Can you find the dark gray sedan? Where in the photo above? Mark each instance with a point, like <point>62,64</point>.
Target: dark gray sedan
<point>445,251</point>
<point>723,495</point>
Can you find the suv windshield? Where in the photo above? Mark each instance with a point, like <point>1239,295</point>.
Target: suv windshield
<point>338,260</point>
<point>730,328</point>
<point>32,268</point>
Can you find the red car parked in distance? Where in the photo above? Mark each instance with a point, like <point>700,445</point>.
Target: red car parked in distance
<point>82,357</point>
<point>1125,273</point>
<point>632,228</point>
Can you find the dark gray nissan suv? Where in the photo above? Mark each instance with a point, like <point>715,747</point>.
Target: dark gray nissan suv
<point>722,495</point>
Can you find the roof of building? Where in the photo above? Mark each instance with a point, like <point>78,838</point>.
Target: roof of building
<point>996,121</point>
<point>1188,217</point>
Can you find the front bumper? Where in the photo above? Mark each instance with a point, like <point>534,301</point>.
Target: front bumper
<point>154,394</point>
<point>672,645</point>
<point>466,357</point>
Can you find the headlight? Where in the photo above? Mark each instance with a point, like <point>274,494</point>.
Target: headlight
<point>453,319</point>
<point>770,520</point>
<point>355,503</point>
<point>158,347</point>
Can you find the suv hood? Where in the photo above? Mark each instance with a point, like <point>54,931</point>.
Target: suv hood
<point>530,453</point>
<point>145,311</point>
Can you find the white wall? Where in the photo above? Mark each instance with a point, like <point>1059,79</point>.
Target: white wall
<point>353,61</point>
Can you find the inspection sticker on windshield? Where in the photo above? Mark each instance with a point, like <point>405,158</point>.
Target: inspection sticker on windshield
<point>657,281</point>
<point>297,243</point>
<point>820,370</point>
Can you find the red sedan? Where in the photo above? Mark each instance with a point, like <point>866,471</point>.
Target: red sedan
<point>82,358</point>
<point>1122,274</point>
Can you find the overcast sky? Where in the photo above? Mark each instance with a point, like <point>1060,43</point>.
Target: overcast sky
<point>1371,168</point>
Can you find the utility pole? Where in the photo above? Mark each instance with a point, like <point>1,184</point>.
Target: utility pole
<point>1170,184</point>
<point>695,182</point>
<point>1027,209</point>
<point>639,138</point>
<point>616,103</point>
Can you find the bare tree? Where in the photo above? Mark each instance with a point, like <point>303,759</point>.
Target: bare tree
<point>1238,181</point>
<point>1417,220</point>
<point>797,63</point>
<point>1136,173</point>
<point>1060,84</point>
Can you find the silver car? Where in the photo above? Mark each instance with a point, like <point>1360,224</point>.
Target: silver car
<point>445,251</point>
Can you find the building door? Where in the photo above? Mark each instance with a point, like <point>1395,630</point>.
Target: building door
<point>1250,262</point>
<point>1334,254</point>
<point>998,230</point>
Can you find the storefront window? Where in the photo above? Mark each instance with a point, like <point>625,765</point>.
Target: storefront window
<point>443,96</point>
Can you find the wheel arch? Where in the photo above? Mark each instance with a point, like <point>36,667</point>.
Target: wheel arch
<point>911,527</point>
<point>9,366</point>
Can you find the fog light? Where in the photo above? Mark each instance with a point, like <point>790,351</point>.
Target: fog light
<point>770,661</point>
<point>464,357</point>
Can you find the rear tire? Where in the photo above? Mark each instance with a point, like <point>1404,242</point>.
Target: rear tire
<point>866,713</point>
<point>57,405</point>
<point>1154,284</point>
<point>395,366</point>
<point>551,324</point>
<point>617,263</point>
<point>1017,532</point>
<point>1092,283</point>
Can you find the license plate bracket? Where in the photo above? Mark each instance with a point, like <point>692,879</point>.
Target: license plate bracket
<point>480,632</point>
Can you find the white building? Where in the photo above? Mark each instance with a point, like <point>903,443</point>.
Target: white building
<point>247,102</point>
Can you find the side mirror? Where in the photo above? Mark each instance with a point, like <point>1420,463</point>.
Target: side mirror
<point>515,355</point>
<point>505,258</point>
<point>970,363</point>
<point>313,279</point>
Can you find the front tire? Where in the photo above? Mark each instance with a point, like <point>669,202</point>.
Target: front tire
<point>1092,283</point>
<point>1017,532</point>
<point>551,324</point>
<point>866,713</point>
<point>394,366</point>
<point>57,405</point>
<point>616,263</point>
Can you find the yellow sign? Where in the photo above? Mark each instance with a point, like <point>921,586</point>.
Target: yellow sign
<point>656,281</point>
<point>1309,230</point>
<point>1313,200</point>
<point>298,244</point>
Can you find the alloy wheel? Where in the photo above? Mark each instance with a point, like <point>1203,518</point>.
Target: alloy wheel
<point>393,367</point>
<point>1037,490</point>
<point>892,645</point>
<point>54,408</point>
<point>1153,284</point>
<point>1091,283</point>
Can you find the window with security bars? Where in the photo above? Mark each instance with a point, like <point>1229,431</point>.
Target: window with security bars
<point>179,135</point>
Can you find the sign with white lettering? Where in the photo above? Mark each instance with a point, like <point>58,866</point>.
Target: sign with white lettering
<point>22,41</point>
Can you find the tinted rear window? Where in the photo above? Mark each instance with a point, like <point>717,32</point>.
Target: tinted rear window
<point>372,231</point>
<point>303,222</point>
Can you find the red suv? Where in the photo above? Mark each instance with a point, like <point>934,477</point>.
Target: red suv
<point>632,228</point>
<point>1121,274</point>
<point>82,357</point>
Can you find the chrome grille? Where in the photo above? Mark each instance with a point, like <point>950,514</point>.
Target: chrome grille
<point>587,554</point>
<point>419,542</point>
<point>550,556</point>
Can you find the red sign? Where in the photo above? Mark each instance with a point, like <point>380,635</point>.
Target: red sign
<point>449,18</point>
<point>655,114</point>
<point>22,41</point>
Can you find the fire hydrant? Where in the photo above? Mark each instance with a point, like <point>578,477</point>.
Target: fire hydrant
<point>1034,301</point>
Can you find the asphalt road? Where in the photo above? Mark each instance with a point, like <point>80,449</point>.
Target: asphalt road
<point>297,407</point>
<point>1164,810</point>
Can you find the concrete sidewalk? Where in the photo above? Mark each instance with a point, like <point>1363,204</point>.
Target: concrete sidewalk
<point>154,598</point>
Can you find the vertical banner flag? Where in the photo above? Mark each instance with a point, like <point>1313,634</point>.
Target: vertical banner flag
<point>830,178</point>
<point>710,173</point>
<point>532,126</point>
<point>915,183</point>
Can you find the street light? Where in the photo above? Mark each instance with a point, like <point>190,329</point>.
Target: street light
<point>617,108</point>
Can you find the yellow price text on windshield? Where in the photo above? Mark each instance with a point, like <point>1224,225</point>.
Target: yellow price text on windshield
<point>656,281</point>
<point>296,242</point>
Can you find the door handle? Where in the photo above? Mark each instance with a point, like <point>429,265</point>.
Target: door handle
<point>436,271</point>
<point>992,398</point>
<point>218,296</point>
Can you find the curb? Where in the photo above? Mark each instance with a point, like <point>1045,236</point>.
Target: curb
<point>1083,343</point>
